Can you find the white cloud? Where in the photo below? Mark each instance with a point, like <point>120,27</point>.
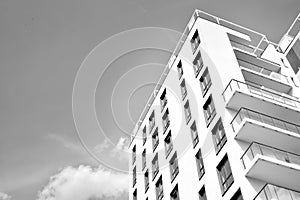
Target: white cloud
<point>86,183</point>
<point>119,151</point>
<point>4,196</point>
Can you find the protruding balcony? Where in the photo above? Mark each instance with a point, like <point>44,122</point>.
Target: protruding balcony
<point>251,126</point>
<point>272,165</point>
<point>244,56</point>
<point>265,77</point>
<point>255,97</point>
<point>272,192</point>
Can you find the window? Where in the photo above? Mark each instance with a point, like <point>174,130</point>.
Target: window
<point>166,120</point>
<point>173,167</point>
<point>224,174</point>
<point>146,178</point>
<point>205,82</point>
<point>194,134</point>
<point>155,139</point>
<point>155,167</point>
<point>168,144</point>
<point>159,189</point>
<point>202,194</point>
<point>133,154</point>
<point>237,195</point>
<point>219,136</point>
<point>144,135</point>
<point>183,89</point>
<point>199,163</point>
<point>175,193</point>
<point>134,177</point>
<point>135,194</point>
<point>151,121</point>
<point>179,69</point>
<point>187,111</point>
<point>163,99</point>
<point>195,41</point>
<point>209,110</point>
<point>198,64</point>
<point>144,159</point>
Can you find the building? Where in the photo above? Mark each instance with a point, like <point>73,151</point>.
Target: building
<point>289,45</point>
<point>223,121</point>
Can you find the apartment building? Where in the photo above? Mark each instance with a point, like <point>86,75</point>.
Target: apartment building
<point>223,121</point>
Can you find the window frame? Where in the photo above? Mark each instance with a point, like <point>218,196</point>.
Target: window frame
<point>174,172</point>
<point>225,175</point>
<point>200,164</point>
<point>168,148</point>
<point>187,112</point>
<point>206,82</point>
<point>195,140</point>
<point>219,136</point>
<point>209,110</point>
<point>155,166</point>
<point>183,89</point>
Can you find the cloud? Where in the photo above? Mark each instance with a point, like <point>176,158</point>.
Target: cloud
<point>4,196</point>
<point>65,142</point>
<point>86,183</point>
<point>119,151</point>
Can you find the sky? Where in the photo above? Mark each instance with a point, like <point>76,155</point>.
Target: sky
<point>42,46</point>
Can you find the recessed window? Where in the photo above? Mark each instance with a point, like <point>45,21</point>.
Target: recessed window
<point>175,193</point>
<point>133,154</point>
<point>225,174</point>
<point>179,69</point>
<point>173,167</point>
<point>159,189</point>
<point>194,134</point>
<point>135,194</point>
<point>219,136</point>
<point>237,195</point>
<point>183,89</point>
<point>146,178</point>
<point>209,110</point>
<point>195,41</point>
<point>151,121</point>
<point>134,177</point>
<point>205,82</point>
<point>168,144</point>
<point>155,167</point>
<point>202,194</point>
<point>200,165</point>
<point>198,64</point>
<point>163,99</point>
<point>144,135</point>
<point>155,139</point>
<point>166,120</point>
<point>187,111</point>
<point>144,159</point>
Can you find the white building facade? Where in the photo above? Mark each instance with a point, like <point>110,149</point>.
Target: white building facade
<point>222,123</point>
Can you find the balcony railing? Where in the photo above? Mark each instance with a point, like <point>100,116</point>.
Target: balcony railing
<point>272,192</point>
<point>260,91</point>
<point>266,72</point>
<point>260,149</point>
<point>245,113</point>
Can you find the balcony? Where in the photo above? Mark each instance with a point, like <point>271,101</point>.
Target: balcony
<point>252,59</point>
<point>251,126</point>
<point>272,165</point>
<point>272,192</point>
<point>255,97</point>
<point>265,77</point>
